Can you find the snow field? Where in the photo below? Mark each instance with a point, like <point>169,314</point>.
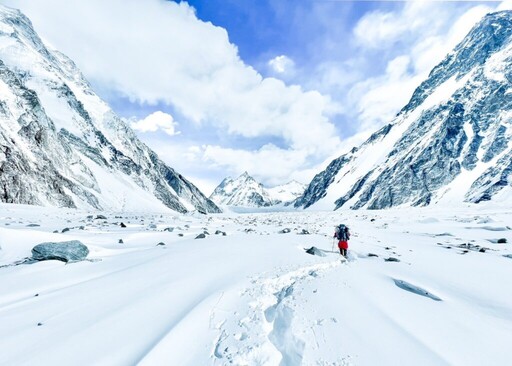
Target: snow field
<point>254,297</point>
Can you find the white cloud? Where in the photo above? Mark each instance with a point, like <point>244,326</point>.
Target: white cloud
<point>156,121</point>
<point>158,51</point>
<point>282,64</point>
<point>269,164</point>
<point>427,31</point>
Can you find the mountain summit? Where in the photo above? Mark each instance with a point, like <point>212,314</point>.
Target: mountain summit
<point>449,144</point>
<point>245,191</point>
<point>61,145</point>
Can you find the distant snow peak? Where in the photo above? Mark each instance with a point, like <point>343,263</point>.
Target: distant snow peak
<point>61,145</point>
<point>245,191</point>
<point>450,144</point>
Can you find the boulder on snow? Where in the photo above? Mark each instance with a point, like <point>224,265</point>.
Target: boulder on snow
<point>372,255</point>
<point>66,251</point>
<point>315,251</point>
<point>304,232</point>
<point>169,229</point>
<point>122,224</point>
<point>284,231</point>
<point>502,241</point>
<point>201,236</point>
<point>65,230</point>
<point>392,259</point>
<point>100,217</point>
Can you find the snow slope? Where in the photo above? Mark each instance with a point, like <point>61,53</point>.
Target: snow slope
<point>450,144</point>
<point>253,296</point>
<point>61,145</point>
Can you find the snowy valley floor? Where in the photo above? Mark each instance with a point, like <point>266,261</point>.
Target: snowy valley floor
<point>253,296</point>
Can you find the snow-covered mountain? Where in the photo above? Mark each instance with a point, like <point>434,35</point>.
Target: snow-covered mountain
<point>287,192</point>
<point>245,191</point>
<point>449,144</point>
<point>61,145</point>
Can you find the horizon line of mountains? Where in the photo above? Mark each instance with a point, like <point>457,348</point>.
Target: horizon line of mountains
<point>61,145</point>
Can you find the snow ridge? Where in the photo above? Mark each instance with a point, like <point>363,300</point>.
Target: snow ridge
<point>449,144</point>
<point>245,191</point>
<point>61,145</point>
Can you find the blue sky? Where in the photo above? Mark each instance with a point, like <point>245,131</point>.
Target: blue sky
<point>274,87</point>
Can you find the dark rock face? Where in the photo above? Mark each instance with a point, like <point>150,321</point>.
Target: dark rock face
<point>66,251</point>
<point>43,160</point>
<point>317,189</point>
<point>432,141</point>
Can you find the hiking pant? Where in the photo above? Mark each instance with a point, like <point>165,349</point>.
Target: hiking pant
<point>343,252</point>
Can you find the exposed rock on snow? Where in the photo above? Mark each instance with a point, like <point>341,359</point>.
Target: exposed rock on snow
<point>66,251</point>
<point>415,289</point>
<point>315,251</point>
<point>392,259</point>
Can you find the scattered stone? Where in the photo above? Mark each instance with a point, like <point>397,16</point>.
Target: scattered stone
<point>284,231</point>
<point>121,241</point>
<point>36,295</point>
<point>387,248</point>
<point>65,230</point>
<point>66,251</point>
<point>482,250</point>
<point>502,241</point>
<point>81,228</point>
<point>100,217</point>
<point>508,256</point>
<point>169,229</point>
<point>152,226</point>
<point>55,231</point>
<point>33,225</point>
<point>39,324</point>
<point>206,232</point>
<point>122,224</point>
<point>160,244</point>
<point>90,217</point>
<point>372,220</point>
<point>201,236</point>
<point>304,232</point>
<point>315,251</point>
<point>392,259</point>
<point>372,255</point>
<point>180,234</point>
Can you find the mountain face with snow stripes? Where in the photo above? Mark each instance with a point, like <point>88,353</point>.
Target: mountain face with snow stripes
<point>245,191</point>
<point>61,145</point>
<point>449,144</point>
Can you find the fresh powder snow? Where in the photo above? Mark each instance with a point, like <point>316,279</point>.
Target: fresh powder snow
<point>420,286</point>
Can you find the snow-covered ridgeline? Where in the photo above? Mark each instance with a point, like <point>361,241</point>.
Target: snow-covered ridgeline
<point>449,144</point>
<point>61,145</point>
<point>245,191</point>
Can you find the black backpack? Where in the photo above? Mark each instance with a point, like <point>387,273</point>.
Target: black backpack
<point>342,232</point>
